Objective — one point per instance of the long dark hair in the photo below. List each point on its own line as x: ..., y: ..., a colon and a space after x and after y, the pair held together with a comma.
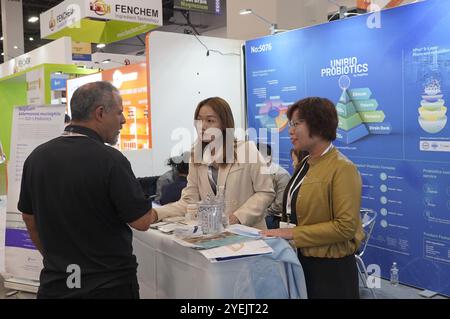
x: 225, y: 115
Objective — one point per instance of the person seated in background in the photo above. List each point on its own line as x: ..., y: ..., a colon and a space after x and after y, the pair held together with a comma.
x: 165, y: 179
x: 172, y: 192
x: 67, y: 119
x: 219, y: 161
x: 297, y: 157
x: 148, y: 185
x: 153, y: 185
x: 280, y: 178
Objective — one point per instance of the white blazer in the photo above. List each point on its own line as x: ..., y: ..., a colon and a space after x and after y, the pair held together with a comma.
x: 248, y: 188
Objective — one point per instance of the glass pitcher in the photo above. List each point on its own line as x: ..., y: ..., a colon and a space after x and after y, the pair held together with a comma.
x: 210, y: 217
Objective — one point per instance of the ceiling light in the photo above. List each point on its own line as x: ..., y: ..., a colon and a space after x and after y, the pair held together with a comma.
x: 3, y: 53
x: 273, y: 26
x: 33, y: 19
x: 101, y: 45
x: 15, y: 47
x: 31, y: 38
x: 350, y: 14
x: 1, y: 38
x: 106, y: 61
x: 245, y: 11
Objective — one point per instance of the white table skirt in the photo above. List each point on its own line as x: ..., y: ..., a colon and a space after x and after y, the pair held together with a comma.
x: 169, y: 270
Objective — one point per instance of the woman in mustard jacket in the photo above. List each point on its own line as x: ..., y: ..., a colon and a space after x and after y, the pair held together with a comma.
x: 323, y: 199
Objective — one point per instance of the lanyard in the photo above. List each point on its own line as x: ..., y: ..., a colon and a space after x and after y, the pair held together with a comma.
x: 292, y: 190
x: 81, y: 131
x: 72, y: 134
x: 211, y: 179
x: 294, y: 187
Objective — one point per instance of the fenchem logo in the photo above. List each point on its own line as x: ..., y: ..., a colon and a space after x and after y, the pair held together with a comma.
x: 100, y: 7
x: 52, y: 22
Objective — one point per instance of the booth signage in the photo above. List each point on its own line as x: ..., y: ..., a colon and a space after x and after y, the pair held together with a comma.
x: 56, y: 52
x: 391, y: 93
x: 66, y: 14
x: 206, y: 6
x: 81, y: 51
x: 149, y: 12
x: 101, y: 21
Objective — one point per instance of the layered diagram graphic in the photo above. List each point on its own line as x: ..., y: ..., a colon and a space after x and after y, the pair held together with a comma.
x: 273, y: 114
x: 359, y: 116
x: 432, y: 112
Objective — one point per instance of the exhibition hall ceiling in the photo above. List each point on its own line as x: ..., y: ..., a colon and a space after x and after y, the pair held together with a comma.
x: 174, y: 21
x: 32, y: 8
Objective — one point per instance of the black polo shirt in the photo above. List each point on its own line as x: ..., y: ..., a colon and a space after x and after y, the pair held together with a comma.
x: 82, y: 193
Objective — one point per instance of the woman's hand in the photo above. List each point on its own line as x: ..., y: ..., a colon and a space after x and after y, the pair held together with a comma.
x: 234, y: 219
x: 286, y: 233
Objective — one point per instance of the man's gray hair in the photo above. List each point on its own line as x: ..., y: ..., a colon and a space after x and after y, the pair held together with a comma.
x: 90, y: 96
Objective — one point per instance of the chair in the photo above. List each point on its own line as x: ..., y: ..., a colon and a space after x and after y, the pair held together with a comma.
x: 368, y: 217
x: 148, y: 185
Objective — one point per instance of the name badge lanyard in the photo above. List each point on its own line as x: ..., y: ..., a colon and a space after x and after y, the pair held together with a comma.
x: 211, y: 179
x: 292, y: 190
x: 72, y: 134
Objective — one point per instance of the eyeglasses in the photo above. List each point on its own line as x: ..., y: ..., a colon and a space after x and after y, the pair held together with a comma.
x: 294, y: 124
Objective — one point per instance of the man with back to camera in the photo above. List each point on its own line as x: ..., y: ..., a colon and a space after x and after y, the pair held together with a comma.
x: 78, y: 197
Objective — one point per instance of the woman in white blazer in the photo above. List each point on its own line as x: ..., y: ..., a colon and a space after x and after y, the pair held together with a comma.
x: 218, y: 160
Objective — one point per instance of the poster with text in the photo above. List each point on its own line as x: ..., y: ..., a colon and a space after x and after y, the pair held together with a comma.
x: 388, y: 74
x: 32, y: 125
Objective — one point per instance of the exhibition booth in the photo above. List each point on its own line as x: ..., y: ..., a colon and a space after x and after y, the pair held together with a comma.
x: 390, y: 92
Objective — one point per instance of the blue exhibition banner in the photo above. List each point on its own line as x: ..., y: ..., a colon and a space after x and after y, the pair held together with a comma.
x: 389, y: 75
x: 58, y: 82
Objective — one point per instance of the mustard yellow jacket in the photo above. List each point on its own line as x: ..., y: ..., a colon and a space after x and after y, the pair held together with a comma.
x: 328, y: 219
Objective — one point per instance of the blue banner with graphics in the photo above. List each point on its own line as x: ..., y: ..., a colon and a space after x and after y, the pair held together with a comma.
x: 389, y: 75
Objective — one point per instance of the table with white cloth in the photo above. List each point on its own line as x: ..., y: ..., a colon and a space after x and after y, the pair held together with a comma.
x: 169, y: 270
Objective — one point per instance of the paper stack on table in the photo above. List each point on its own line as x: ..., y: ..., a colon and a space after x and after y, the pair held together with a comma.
x: 236, y: 241
x: 239, y: 250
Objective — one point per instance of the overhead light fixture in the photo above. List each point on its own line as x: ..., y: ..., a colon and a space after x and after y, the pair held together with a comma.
x: 342, y: 12
x: 106, y: 61
x: 351, y: 14
x: 15, y: 47
x: 31, y: 38
x: 3, y: 53
x: 33, y: 19
x: 101, y: 45
x: 1, y: 38
x: 273, y: 26
x: 245, y: 11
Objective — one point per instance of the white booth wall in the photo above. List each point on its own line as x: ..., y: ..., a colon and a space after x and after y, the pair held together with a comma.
x: 181, y: 75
